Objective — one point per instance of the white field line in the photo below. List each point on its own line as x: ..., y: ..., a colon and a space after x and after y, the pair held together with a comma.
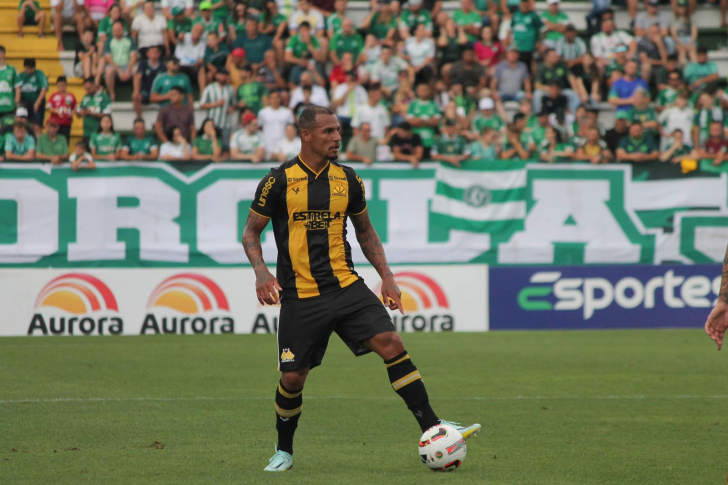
x: 375, y: 398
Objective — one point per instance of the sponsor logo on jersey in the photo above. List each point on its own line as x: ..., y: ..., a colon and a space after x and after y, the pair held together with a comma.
x: 264, y: 193
x: 316, y: 220
x: 339, y: 190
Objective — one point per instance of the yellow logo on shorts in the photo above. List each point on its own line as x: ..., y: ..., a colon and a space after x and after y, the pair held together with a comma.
x: 287, y: 355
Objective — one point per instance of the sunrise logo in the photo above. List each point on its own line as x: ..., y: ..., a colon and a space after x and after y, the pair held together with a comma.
x: 79, y: 294
x: 424, y: 301
x: 196, y: 296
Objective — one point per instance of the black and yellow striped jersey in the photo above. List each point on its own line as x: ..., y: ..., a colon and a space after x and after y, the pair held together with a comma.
x: 309, y: 212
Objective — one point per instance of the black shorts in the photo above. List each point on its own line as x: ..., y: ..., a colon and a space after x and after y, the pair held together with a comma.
x: 36, y: 117
x: 305, y: 325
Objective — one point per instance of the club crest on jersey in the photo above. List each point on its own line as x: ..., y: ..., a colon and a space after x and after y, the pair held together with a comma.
x: 339, y: 190
x: 287, y: 356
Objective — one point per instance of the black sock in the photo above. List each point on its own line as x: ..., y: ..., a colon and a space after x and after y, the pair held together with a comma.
x: 288, y: 410
x: 406, y: 381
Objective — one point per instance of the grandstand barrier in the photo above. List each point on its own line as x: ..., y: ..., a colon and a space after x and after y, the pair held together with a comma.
x: 604, y: 246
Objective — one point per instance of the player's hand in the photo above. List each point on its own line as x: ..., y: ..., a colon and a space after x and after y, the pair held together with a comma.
x: 717, y: 323
x: 267, y: 289
x: 391, y: 296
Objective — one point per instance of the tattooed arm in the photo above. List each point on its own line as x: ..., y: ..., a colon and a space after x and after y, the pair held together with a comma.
x: 372, y: 248
x: 717, y: 322
x: 266, y: 285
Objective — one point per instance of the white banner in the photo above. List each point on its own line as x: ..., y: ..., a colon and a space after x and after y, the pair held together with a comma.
x: 212, y: 301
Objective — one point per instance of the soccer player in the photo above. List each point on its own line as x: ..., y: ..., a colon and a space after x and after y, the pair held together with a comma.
x: 717, y: 322
x: 309, y: 198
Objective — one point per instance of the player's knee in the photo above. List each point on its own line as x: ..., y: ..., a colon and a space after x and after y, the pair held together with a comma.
x: 387, y: 345
x: 294, y: 380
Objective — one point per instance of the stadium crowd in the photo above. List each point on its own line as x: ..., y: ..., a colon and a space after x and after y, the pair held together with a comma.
x: 411, y: 82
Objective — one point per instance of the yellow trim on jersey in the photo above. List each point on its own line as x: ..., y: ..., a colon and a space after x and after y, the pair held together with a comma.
x: 261, y: 215
x: 286, y: 413
x: 408, y: 379
x: 359, y: 213
x: 398, y: 361
x: 287, y: 394
x: 314, y: 171
x: 339, y: 201
x: 297, y: 201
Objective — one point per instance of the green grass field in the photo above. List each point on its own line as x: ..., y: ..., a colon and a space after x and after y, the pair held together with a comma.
x: 621, y: 407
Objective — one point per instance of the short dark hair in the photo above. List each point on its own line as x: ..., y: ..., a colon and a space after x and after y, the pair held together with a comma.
x: 89, y: 80
x: 178, y: 89
x: 307, y: 120
x: 29, y: 62
x: 518, y: 116
x: 61, y: 79
x: 170, y: 132
x: 171, y: 59
x: 20, y: 125
x: 2, y: 49
x: 375, y: 86
x: 702, y: 50
x: 140, y: 120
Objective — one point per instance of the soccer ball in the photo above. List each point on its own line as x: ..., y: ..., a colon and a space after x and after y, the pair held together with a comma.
x: 442, y: 448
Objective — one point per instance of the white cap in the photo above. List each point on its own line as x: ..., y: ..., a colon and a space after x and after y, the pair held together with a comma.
x: 21, y: 113
x: 553, y: 2
x: 486, y: 103
x: 415, y: 3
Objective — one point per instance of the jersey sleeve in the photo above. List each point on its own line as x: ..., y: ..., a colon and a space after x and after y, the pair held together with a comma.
x: 357, y: 194
x: 266, y: 195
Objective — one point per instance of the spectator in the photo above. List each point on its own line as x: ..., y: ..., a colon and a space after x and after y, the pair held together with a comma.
x: 678, y: 116
x: 511, y: 81
x: 706, y: 113
x: 468, y: 19
x: 67, y: 12
x: 593, y: 149
x: 269, y: 74
x: 404, y: 95
x: 289, y: 146
x: 555, y: 23
x: 106, y: 26
x: 164, y: 82
x: 21, y: 115
x: 171, y: 7
x: 701, y: 74
x: 318, y: 94
x: 552, y: 149
x: 144, y: 76
x: 252, y: 94
x: 537, y: 131
x: 304, y: 13
x: 30, y: 90
x: 253, y: 42
x: 424, y: 116
x: 221, y: 10
x: 139, y: 146
x: 604, y: 44
x: 684, y: 34
x: 555, y: 102
x: 652, y: 52
x: 652, y: 16
x: 106, y: 143
x: 420, y: 53
x: 191, y: 55
x: 571, y: 49
x: 175, y: 147
x: 636, y: 147
x: 303, y: 52
x: 488, y: 50
x: 468, y: 72
x: 300, y: 107
x: 346, y: 98
x: 363, y: 146
x: 207, y: 144
x: 644, y: 113
x: 8, y: 79
x: 676, y: 150
x: 621, y: 96
x: 406, y: 145
x: 525, y: 31
x: 715, y: 147
x: 61, y: 105
x: 587, y: 84
x: 412, y: 16
x: 662, y: 75
x: 177, y: 26
x: 338, y: 72
x: 219, y: 99
x: 175, y: 114
x: 551, y: 71
x: 19, y: 145
x: 486, y: 118
x: 387, y: 71
x: 668, y: 95
x: 614, y: 136
x: 80, y: 157
x: 121, y: 57
x: 86, y: 58
x: 50, y: 146
x: 514, y: 147
x: 30, y: 13
x: 450, y: 147
x: 236, y: 25
x: 274, y: 24
x: 94, y: 105
x: 96, y: 10
x: 247, y: 143
x: 347, y: 40
x: 208, y: 22
x: 149, y: 30
x: 381, y: 23
x: 274, y: 118
x: 373, y: 113
x: 616, y: 67
x: 216, y: 56
x: 485, y: 147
